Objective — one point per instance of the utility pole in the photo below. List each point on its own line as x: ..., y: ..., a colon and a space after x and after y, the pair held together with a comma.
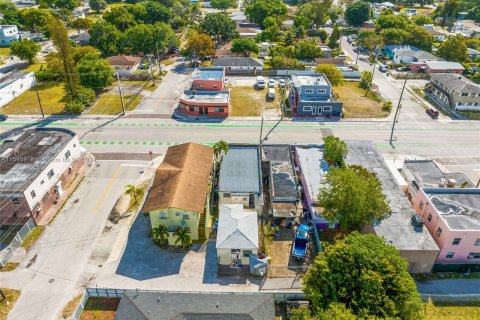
x: 261, y: 133
x: 40, y: 103
x: 397, y: 111
x: 121, y: 96
x: 158, y: 61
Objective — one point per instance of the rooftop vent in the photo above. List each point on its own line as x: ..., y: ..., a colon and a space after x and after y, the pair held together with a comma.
x: 451, y: 183
x: 417, y: 221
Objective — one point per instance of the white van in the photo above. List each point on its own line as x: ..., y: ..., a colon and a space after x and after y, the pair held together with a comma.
x: 271, y: 93
x: 260, y: 82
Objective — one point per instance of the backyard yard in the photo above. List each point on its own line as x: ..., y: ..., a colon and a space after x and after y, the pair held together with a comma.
x: 452, y: 310
x: 356, y: 104
x: 100, y: 309
x: 110, y: 103
x: 51, y: 94
x: 250, y: 102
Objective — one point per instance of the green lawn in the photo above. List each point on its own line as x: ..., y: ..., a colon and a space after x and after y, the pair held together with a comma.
x: 355, y: 103
x: 250, y: 102
x: 111, y: 104
x: 33, y: 237
x: 453, y: 310
x: 7, y: 304
x: 51, y: 94
x: 34, y: 67
x: 4, y: 53
x: 100, y: 309
x: 472, y: 115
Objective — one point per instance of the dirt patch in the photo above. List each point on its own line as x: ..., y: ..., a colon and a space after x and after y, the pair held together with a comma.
x: 356, y: 104
x: 247, y: 101
x: 70, y: 307
x: 100, y: 309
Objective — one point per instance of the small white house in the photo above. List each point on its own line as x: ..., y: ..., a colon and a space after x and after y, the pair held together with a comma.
x: 237, y: 235
x: 8, y: 33
x: 14, y: 84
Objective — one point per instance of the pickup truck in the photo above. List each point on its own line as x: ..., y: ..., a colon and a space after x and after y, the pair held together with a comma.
x: 299, y: 249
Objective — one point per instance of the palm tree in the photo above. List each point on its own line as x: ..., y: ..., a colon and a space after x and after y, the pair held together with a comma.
x: 219, y: 148
x: 183, y: 237
x: 160, y: 234
x: 133, y: 191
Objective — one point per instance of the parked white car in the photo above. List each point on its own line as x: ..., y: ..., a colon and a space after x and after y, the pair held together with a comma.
x: 281, y: 83
x: 271, y: 83
x: 271, y: 93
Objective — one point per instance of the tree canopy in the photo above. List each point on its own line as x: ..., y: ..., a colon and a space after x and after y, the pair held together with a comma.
x: 25, y: 49
x: 357, y: 13
x: 317, y: 11
x: 245, y: 46
x: 363, y: 276
x: 453, y: 49
x: 334, y: 149
x: 98, y: 5
x: 353, y: 196
x: 223, y: 4
x: 94, y: 72
x: 219, y: 26
x: 333, y: 74
x: 199, y: 45
x: 258, y: 10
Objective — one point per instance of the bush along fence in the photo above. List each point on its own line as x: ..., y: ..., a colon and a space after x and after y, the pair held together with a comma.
x: 16, y: 242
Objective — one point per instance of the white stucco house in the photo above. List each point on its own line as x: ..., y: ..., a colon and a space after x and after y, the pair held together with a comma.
x: 237, y: 235
x: 14, y: 84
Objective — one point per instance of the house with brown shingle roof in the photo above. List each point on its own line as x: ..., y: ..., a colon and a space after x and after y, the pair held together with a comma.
x: 180, y: 190
x: 125, y: 64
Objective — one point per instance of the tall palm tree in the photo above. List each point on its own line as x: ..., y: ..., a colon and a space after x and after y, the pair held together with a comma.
x: 160, y: 234
x: 183, y: 237
x: 219, y: 148
x: 133, y: 191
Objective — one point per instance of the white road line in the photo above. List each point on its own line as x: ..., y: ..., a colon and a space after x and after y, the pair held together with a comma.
x: 133, y: 165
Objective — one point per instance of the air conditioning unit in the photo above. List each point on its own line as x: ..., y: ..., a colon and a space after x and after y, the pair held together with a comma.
x: 417, y: 220
x: 451, y: 183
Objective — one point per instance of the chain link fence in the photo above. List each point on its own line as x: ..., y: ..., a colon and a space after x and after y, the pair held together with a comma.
x: 16, y: 242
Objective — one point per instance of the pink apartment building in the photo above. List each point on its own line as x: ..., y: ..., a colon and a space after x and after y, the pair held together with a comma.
x: 449, y: 205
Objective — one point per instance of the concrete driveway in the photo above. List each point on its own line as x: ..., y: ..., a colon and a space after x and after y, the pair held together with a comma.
x: 51, y: 273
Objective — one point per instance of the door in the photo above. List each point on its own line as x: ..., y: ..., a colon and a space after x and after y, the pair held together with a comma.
x: 314, y: 110
x: 236, y: 258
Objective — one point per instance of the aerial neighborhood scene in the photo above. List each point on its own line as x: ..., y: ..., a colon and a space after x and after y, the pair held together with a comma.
x: 239, y: 159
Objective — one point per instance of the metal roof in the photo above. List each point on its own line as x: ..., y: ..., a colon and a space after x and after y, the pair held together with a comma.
x: 240, y: 170
x: 237, y: 229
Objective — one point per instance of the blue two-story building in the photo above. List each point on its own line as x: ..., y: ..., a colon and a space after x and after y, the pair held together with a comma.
x: 311, y: 96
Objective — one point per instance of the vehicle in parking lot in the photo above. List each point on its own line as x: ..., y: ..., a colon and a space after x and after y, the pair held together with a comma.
x: 403, y: 69
x: 299, y: 248
x: 260, y: 82
x: 349, y: 39
x: 433, y: 113
x: 271, y: 93
x: 271, y: 83
x: 382, y: 68
x: 281, y: 83
x: 3, y: 117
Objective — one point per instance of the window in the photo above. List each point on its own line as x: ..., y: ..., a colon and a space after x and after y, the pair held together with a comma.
x: 421, y: 205
x: 218, y: 109
x: 185, y: 216
x: 456, y: 241
x: 327, y: 109
x: 15, y: 201
x: 308, y: 91
x: 439, y: 232
x: 188, y: 229
x: 215, y: 86
x: 429, y: 217
x: 33, y: 194
x: 163, y: 215
x: 50, y: 174
x: 477, y: 242
x: 450, y: 255
x: 247, y: 253
x: 307, y: 108
x: 464, y: 94
x: 321, y: 91
x: 67, y: 154
x: 474, y: 255
x: 226, y: 195
x: 192, y: 109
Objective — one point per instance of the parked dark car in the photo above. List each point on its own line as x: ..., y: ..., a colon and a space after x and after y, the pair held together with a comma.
x: 433, y: 113
x: 3, y: 117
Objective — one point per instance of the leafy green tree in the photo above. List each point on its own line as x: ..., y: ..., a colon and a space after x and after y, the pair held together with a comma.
x: 366, y: 78
x: 367, y: 276
x: 223, y: 4
x: 95, y: 72
x: 368, y: 39
x: 121, y: 18
x: 394, y: 36
x: 420, y: 38
x: 81, y: 24
x: 307, y: 49
x: 422, y: 19
x: 98, y: 5
x: 245, y: 46
x: 151, y: 12
x: 317, y: 11
x: 334, y: 37
x: 333, y: 74
x: 271, y: 30
x: 60, y: 4
x: 182, y: 237
x: 323, y: 35
x: 389, y: 20
x: 144, y: 38
x: 258, y: 10
x: 160, y: 234
x: 10, y: 12
x: 74, y: 107
x: 80, y: 52
x: 353, y: 196
x: 387, y: 105
x: 357, y: 13
x: 219, y: 26
x: 453, y: 49
x: 105, y: 37
x: 35, y: 19
x: 285, y: 63
x: 25, y: 49
x: 133, y: 191
x: 301, y: 24
x: 199, y: 45
x: 334, y: 150
x: 59, y: 36
x: 219, y: 148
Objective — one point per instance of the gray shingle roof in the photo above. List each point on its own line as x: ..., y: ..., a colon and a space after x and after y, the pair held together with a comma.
x: 444, y: 65
x: 237, y: 229
x: 237, y: 62
x: 424, y: 56
x: 455, y: 82
x: 240, y: 170
x: 195, y: 306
